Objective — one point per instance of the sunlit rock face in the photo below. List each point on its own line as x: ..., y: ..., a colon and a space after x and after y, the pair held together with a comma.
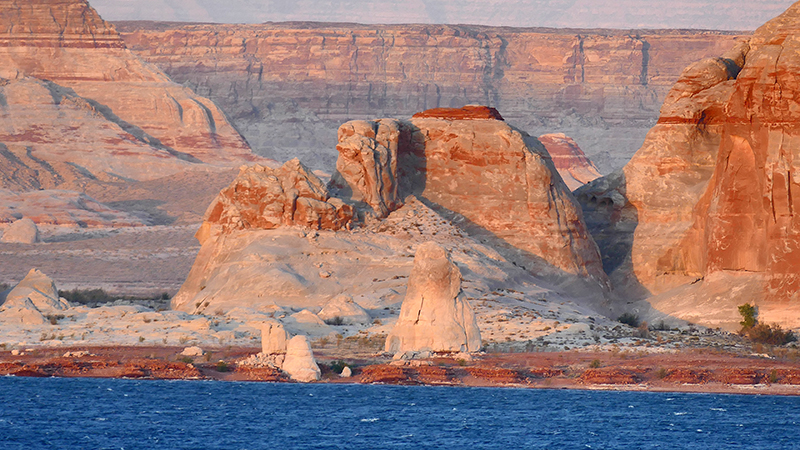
x: 570, y: 161
x: 710, y: 197
x: 435, y: 315
x: 78, y: 106
x: 289, y: 86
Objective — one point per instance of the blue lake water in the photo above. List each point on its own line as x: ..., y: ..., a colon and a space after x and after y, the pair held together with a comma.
x: 53, y: 413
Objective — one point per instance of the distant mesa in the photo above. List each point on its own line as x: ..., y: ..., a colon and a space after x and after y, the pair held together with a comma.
x: 470, y: 112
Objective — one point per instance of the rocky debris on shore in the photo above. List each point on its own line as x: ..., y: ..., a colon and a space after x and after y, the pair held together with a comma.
x: 22, y: 231
x: 435, y: 314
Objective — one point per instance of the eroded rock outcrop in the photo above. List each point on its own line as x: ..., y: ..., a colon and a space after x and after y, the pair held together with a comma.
x: 265, y: 198
x: 22, y: 231
x: 79, y: 111
x: 572, y: 164
x: 367, y: 164
x: 711, y: 193
x: 274, y: 338
x: 29, y: 301
x: 503, y: 184
x: 435, y: 315
x: 299, y: 362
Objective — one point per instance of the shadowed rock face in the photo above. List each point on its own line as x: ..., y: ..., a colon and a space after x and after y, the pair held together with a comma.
x: 77, y: 106
x: 289, y: 86
x: 711, y: 194
x: 500, y: 183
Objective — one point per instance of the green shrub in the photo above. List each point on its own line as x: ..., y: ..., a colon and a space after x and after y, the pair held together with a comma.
x: 594, y: 364
x: 629, y: 319
x: 749, y: 314
x: 661, y: 373
x: 338, y: 366
x: 222, y: 366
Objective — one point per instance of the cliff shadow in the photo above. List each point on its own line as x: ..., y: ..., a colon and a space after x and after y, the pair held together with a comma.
x: 413, y: 173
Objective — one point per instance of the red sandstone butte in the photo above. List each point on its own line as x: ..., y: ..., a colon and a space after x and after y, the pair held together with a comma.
x: 713, y: 193
x: 470, y: 112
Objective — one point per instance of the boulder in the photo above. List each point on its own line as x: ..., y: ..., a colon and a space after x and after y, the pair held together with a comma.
x: 40, y: 290
x: 265, y: 198
x: 299, y: 363
x: 273, y: 338
x: 22, y: 231
x: 435, y: 315
x: 192, y: 351
x: 345, y: 310
x: 367, y: 166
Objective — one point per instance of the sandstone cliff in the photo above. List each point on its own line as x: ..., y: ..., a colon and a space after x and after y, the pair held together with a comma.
x: 711, y: 193
x: 158, y: 126
x: 79, y: 111
x: 288, y: 86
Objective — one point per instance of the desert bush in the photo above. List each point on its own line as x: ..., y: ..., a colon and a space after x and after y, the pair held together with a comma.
x: 222, y: 366
x: 643, y: 331
x: 54, y: 318
x: 749, y: 316
x: 594, y: 364
x: 661, y: 373
x: 773, y: 334
x: 629, y: 319
x: 336, y: 321
x: 660, y: 326
x: 186, y: 360
x: 338, y: 366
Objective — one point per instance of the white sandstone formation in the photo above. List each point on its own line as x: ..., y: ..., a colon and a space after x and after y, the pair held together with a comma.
x: 299, y: 363
x: 40, y: 290
x: 435, y: 315
x: 22, y: 231
x: 274, y: 338
x: 344, y: 310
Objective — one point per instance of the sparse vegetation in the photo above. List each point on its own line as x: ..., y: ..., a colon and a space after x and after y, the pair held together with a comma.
x: 141, y: 338
x: 222, y: 366
x: 93, y: 297
x: 661, y: 373
x: 771, y: 334
x: 336, y: 321
x: 186, y: 360
x: 630, y: 319
x: 594, y: 364
x: 54, y: 318
x: 762, y: 333
x: 338, y: 366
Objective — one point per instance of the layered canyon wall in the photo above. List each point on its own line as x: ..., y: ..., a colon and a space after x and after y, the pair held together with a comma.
x: 704, y: 215
x: 76, y: 104
x: 288, y: 86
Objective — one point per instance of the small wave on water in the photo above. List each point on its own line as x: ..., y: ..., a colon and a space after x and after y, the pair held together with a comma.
x: 73, y: 414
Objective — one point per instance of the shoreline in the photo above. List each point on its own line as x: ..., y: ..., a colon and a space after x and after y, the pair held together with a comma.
x: 691, y: 371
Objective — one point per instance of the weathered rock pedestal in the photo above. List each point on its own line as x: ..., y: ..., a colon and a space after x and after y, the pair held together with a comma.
x: 299, y: 362
x: 435, y: 315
